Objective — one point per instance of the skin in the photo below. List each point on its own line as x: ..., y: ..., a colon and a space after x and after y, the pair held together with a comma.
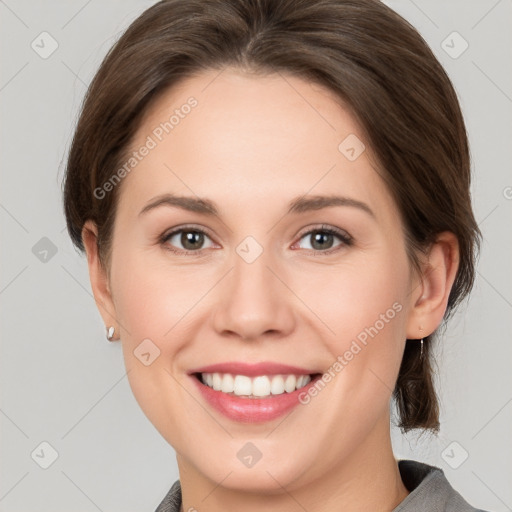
x: 251, y: 145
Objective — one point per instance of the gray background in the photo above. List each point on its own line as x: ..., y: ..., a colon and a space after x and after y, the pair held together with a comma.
x: 64, y: 384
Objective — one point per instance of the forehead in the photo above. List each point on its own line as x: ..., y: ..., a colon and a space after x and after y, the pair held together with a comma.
x: 232, y: 135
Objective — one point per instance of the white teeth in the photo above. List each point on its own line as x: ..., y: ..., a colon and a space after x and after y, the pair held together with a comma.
x: 242, y: 385
x: 277, y: 385
x: 261, y: 386
x: 228, y: 384
x: 290, y: 383
x: 217, y: 381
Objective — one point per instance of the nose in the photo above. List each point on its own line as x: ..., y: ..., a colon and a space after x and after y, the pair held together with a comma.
x: 254, y: 302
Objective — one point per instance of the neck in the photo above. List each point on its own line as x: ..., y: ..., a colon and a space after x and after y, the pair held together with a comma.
x: 368, y: 479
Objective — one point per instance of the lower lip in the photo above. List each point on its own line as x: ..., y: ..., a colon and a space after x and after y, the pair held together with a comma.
x: 252, y: 410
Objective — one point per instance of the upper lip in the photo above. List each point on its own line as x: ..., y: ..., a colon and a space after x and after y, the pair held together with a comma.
x: 254, y: 369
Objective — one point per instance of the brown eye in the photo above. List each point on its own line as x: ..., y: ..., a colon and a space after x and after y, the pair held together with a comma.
x: 183, y: 240
x: 324, y: 239
x: 321, y: 240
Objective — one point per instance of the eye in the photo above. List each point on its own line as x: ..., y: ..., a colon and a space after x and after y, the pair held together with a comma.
x: 322, y: 238
x: 191, y: 240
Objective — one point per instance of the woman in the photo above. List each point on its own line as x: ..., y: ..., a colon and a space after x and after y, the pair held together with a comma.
x: 220, y: 146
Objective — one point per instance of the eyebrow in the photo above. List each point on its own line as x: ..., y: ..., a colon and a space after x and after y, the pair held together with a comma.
x: 298, y: 205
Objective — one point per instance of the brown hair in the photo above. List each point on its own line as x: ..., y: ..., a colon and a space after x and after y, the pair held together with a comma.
x: 375, y: 62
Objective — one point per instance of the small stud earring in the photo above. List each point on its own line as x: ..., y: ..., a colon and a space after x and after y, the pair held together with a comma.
x: 110, y: 333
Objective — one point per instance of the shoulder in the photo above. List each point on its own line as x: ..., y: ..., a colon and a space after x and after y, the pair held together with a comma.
x: 172, y: 500
x: 429, y: 490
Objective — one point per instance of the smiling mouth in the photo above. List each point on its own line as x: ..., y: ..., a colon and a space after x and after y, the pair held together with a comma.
x: 261, y: 386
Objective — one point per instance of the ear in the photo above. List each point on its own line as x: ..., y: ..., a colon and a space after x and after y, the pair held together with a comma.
x: 430, y: 297
x: 98, y: 276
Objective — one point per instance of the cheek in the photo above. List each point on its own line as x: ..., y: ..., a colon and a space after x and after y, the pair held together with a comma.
x: 153, y: 296
x: 364, y: 307
x: 353, y: 298
x: 152, y: 301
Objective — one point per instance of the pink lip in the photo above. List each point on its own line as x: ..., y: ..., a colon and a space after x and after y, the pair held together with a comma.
x: 251, y: 410
x: 253, y: 370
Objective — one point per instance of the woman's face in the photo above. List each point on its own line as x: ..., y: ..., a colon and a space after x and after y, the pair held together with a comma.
x: 264, y: 285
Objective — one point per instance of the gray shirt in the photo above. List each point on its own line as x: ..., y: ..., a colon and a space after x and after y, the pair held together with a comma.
x: 429, y: 490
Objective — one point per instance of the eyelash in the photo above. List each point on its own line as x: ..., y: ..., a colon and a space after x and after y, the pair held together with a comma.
x: 346, y: 239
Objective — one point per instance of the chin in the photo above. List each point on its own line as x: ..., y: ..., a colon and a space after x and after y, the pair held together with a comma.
x: 268, y: 475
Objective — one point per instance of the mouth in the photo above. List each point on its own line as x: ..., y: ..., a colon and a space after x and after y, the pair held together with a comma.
x: 261, y: 386
x: 252, y: 393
